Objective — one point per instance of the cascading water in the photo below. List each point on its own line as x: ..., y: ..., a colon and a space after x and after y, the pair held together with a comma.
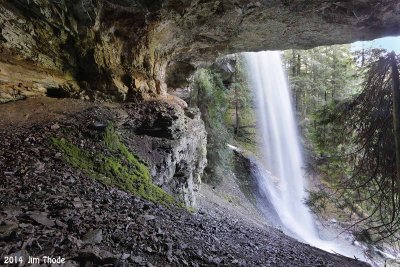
x: 282, y: 152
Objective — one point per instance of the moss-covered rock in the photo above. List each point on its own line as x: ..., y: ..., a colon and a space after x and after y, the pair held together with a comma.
x: 115, y: 166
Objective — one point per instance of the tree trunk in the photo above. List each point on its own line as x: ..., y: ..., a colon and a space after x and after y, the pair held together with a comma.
x: 334, y: 74
x: 293, y: 63
x: 298, y: 64
x: 237, y: 126
x: 396, y: 112
x: 237, y: 122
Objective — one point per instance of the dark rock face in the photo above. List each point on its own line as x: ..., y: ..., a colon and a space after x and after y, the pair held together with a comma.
x: 127, y: 48
x: 173, y: 140
x: 247, y: 170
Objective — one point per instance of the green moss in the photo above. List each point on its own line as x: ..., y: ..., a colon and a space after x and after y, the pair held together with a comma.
x: 116, y: 167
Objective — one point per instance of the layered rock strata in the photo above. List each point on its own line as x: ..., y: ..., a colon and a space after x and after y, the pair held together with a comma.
x: 137, y: 49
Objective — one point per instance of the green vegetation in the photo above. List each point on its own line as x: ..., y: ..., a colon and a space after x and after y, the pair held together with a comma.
x: 243, y: 117
x: 117, y: 167
x: 364, y: 146
x: 212, y: 98
x: 317, y: 200
x: 347, y: 101
x: 227, y: 111
x: 319, y: 76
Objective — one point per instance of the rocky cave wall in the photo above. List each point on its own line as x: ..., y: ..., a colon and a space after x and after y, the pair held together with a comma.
x: 136, y: 48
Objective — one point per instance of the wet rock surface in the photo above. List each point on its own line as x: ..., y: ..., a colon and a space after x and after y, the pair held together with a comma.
x: 48, y: 208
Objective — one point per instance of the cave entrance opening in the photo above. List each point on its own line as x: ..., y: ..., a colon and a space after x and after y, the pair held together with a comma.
x: 57, y: 92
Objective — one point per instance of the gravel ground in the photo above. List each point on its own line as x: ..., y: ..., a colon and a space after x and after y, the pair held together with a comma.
x: 48, y: 208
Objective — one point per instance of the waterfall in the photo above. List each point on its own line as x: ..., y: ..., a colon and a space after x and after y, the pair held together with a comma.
x: 281, y: 176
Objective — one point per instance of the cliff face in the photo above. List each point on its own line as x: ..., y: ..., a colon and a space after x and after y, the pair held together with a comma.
x: 136, y: 48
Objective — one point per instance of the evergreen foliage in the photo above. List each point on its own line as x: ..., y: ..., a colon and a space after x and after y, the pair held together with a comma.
x: 227, y: 111
x: 212, y: 98
x: 320, y: 75
x: 242, y: 108
x: 356, y: 139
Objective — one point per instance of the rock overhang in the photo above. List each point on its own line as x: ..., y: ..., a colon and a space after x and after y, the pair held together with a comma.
x: 123, y: 49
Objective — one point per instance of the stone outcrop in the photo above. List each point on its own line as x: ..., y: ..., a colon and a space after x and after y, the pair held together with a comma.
x: 249, y: 173
x: 136, y: 49
x: 173, y: 141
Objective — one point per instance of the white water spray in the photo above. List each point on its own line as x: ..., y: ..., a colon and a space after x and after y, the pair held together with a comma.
x: 282, y: 152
